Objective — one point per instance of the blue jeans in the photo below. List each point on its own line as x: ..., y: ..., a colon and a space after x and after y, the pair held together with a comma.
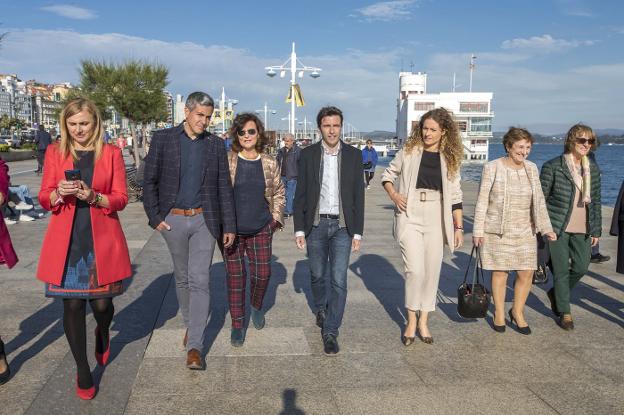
x: 291, y: 187
x: 328, y: 243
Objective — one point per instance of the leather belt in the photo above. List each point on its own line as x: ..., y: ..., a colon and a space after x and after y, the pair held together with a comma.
x: 429, y: 195
x: 328, y: 216
x: 186, y: 212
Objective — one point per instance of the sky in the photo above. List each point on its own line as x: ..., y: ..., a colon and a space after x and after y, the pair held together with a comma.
x: 549, y: 63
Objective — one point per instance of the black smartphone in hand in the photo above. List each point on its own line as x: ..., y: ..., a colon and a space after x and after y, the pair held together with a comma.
x: 71, y: 175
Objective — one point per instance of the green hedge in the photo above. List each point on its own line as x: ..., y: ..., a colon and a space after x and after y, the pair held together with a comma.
x: 4, y: 148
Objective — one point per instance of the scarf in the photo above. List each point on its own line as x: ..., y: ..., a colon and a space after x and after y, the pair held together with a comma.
x: 582, y: 179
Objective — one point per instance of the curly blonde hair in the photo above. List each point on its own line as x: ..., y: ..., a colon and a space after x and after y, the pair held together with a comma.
x: 450, y: 144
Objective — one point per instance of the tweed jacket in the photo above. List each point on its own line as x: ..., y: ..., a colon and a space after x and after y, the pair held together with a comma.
x: 403, y: 174
x: 274, y: 192
x: 559, y: 190
x: 162, y: 180
x: 492, y: 209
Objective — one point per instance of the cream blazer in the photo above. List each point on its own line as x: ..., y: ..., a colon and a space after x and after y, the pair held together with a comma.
x: 274, y: 192
x: 492, y: 209
x: 403, y: 173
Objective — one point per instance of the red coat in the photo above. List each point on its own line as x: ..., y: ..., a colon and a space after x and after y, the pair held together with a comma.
x: 7, y: 253
x: 111, y: 251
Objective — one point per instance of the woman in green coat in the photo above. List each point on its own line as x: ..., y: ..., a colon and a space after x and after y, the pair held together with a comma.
x: 571, y: 186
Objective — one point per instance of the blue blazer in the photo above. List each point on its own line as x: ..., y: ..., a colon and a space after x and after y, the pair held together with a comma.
x: 162, y: 179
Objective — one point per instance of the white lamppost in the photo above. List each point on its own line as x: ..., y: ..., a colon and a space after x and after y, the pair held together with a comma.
x: 266, y: 111
x: 305, y: 123
x: 296, y: 68
x: 222, y: 106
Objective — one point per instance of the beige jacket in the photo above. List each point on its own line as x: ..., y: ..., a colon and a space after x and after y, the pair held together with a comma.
x: 274, y: 192
x: 403, y: 173
x: 492, y: 209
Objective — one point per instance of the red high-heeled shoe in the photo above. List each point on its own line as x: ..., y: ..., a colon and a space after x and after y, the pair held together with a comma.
x: 102, y: 358
x: 85, y: 394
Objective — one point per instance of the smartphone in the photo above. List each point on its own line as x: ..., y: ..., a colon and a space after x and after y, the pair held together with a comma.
x: 72, y: 175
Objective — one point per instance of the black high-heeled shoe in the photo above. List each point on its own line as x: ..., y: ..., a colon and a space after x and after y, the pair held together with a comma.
x: 526, y: 330
x: 4, y: 376
x: 407, y: 341
x: 499, y: 329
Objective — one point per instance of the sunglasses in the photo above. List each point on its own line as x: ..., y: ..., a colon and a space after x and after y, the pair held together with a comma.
x: 589, y: 141
x: 251, y: 131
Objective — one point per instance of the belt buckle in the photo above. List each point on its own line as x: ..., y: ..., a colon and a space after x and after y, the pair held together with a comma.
x: 423, y: 196
x: 193, y: 212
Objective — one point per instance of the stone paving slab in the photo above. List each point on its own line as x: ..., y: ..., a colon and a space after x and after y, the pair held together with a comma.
x: 282, y: 369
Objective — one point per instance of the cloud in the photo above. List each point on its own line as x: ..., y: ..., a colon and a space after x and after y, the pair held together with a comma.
x: 363, y: 84
x: 544, y: 43
x: 578, y: 8
x: 71, y: 12
x: 386, y: 11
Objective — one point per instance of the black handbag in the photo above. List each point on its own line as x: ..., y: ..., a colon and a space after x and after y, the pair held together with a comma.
x: 473, y: 299
x: 541, y: 274
x: 367, y: 165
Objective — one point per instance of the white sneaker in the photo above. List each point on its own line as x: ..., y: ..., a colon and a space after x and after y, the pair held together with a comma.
x: 23, y: 206
x: 26, y: 218
x: 367, y: 187
x: 9, y: 221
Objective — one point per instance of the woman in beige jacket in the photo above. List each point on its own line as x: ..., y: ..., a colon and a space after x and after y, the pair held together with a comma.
x: 423, y: 182
x: 259, y: 200
x: 510, y: 210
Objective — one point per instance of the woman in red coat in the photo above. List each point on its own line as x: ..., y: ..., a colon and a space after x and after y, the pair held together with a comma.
x: 84, y: 254
x: 7, y: 256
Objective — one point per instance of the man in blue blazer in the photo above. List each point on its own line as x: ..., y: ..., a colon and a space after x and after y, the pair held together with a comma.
x: 188, y: 197
x: 329, y: 218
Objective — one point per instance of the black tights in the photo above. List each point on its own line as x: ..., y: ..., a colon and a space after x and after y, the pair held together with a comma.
x: 369, y: 176
x: 75, y: 330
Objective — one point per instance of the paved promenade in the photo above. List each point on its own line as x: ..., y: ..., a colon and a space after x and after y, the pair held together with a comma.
x: 469, y: 369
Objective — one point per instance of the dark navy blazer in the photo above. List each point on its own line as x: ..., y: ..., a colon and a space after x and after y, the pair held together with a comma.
x: 162, y: 179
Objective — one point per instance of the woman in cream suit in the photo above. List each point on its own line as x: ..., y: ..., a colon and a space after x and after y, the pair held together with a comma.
x: 510, y: 210
x: 423, y: 181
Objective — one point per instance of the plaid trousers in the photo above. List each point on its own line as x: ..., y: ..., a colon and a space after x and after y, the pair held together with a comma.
x: 259, y: 250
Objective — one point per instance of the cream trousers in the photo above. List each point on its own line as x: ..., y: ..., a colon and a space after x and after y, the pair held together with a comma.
x: 422, y: 247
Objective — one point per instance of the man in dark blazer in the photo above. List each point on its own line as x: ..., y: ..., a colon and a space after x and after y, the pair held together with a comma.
x: 188, y: 197
x: 329, y: 218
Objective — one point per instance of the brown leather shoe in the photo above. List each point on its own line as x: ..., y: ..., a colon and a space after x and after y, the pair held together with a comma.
x: 566, y: 322
x: 194, y: 360
x: 185, y: 340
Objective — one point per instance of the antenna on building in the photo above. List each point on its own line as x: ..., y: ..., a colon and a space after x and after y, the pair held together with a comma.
x: 472, y: 66
x: 412, y: 66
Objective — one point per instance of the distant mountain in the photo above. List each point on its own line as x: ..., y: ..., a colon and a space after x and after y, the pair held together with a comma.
x: 379, y: 134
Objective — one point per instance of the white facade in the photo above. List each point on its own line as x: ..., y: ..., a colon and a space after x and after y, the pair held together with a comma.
x: 178, y: 110
x: 471, y: 110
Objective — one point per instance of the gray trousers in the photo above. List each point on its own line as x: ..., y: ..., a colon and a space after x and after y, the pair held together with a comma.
x: 191, y: 245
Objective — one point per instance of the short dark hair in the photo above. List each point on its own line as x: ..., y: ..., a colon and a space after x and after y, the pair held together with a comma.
x: 239, y: 123
x: 328, y: 112
x: 515, y: 134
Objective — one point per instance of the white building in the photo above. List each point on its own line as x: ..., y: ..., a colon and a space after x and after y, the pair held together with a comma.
x: 178, y: 110
x: 471, y: 110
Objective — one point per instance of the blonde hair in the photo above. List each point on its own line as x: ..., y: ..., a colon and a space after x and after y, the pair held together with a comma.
x: 450, y: 144
x: 574, y: 132
x: 96, y: 140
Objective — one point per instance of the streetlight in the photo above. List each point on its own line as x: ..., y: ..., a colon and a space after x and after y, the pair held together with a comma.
x: 266, y: 111
x: 305, y: 123
x: 222, y: 103
x: 291, y: 65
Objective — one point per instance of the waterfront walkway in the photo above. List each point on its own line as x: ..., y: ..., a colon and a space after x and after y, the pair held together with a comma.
x: 469, y: 369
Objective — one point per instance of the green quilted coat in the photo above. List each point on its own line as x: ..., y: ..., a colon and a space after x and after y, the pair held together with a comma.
x: 558, y: 187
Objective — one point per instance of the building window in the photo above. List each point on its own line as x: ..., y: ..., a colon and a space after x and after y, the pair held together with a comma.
x: 462, y: 126
x: 481, y: 124
x: 473, y: 107
x: 424, y: 106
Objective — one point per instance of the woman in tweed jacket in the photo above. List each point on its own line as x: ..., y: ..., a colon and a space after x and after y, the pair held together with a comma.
x: 510, y: 210
x: 259, y: 202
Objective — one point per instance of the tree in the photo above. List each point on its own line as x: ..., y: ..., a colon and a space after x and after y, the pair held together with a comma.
x: 135, y: 89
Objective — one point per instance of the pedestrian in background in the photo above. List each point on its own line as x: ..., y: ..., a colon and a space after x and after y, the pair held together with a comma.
x: 7, y: 257
x: 571, y: 185
x: 288, y: 161
x: 510, y: 210
x: 84, y: 256
x: 617, y: 229
x: 423, y: 181
x: 43, y: 140
x: 369, y: 162
x: 259, y: 200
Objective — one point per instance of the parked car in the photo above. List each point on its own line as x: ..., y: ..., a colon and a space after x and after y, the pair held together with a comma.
x: 16, y: 141
x: 28, y: 137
